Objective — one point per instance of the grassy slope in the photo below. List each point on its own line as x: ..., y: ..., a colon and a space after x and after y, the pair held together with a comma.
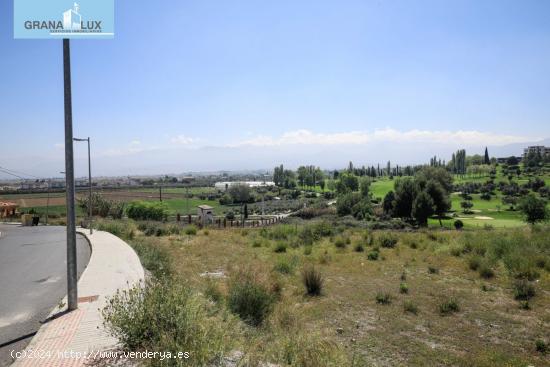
x: 489, y: 330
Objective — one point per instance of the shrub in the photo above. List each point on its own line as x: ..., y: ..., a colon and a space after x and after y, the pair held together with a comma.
x: 456, y: 251
x: 458, y: 224
x: 403, y: 288
x: 474, y: 262
x: 190, y: 230
x: 449, y: 306
x: 433, y: 270
x: 144, y: 210
x: 486, y: 272
x: 340, y: 242
x: 249, y: 299
x: 403, y: 276
x: 387, y: 240
x: 280, y: 247
x: 307, y: 250
x: 312, y: 280
x: 373, y: 255
x: 284, y: 266
x: 523, y: 289
x: 124, y: 230
x: 524, y: 305
x: 257, y: 242
x: 409, y: 306
x: 154, y: 259
x: 541, y: 346
x: 359, y: 247
x: 383, y: 298
x: 168, y: 317
x: 212, y: 292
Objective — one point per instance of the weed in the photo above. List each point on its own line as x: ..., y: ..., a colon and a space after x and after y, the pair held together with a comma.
x: 312, y: 280
x: 373, y: 255
x: 433, y: 270
x: 280, y: 247
x: 409, y: 306
x: 449, y: 306
x: 403, y: 288
x: 523, y: 290
x: 383, y: 298
x: 249, y: 299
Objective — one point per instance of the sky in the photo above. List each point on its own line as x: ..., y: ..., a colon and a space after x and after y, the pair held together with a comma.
x: 202, y: 85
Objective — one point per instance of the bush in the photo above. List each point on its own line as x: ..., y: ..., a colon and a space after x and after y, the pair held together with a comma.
x: 373, y: 255
x: 124, y: 230
x: 403, y: 288
x: 154, y: 259
x: 541, y: 346
x: 280, y: 247
x: 486, y: 272
x: 190, y: 230
x: 383, y: 298
x: 523, y: 290
x: 359, y: 247
x: 524, y: 305
x: 307, y: 250
x: 340, y: 242
x: 284, y: 266
x: 387, y: 240
x: 433, y: 270
x: 249, y: 299
x: 312, y: 280
x: 458, y: 224
x: 144, y: 210
x: 167, y: 317
x: 448, y: 307
x: 474, y: 262
x: 409, y: 306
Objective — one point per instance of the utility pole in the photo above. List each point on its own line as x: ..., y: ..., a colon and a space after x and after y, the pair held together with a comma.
x: 72, y: 293
x: 48, y: 201
x: 160, y: 193
x: 89, y: 183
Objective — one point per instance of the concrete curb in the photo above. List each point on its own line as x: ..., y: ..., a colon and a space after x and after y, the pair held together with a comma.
x: 71, y: 339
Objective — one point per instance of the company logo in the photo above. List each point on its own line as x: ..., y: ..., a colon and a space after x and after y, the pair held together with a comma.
x: 35, y: 19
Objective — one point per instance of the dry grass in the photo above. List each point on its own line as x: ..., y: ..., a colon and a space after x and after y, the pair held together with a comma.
x: 490, y: 328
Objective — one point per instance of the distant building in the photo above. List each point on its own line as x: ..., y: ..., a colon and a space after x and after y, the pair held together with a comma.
x: 536, y: 149
x: 226, y: 184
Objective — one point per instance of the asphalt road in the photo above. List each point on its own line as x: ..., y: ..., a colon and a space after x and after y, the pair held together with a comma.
x: 33, y: 280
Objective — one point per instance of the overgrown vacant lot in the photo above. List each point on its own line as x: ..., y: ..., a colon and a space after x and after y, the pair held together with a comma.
x: 471, y: 298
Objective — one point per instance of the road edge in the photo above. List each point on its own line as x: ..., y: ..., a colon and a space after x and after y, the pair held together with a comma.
x: 70, y: 338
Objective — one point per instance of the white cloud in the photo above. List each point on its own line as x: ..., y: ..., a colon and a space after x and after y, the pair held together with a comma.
x: 460, y: 137
x: 59, y: 146
x: 183, y: 140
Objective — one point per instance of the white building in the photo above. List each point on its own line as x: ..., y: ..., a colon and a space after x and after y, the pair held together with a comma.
x: 222, y: 186
x: 537, y: 149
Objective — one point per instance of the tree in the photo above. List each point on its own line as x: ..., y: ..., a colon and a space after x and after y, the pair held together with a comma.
x: 388, y: 203
x: 245, y: 211
x: 364, y: 187
x: 240, y: 193
x: 422, y: 208
x: 347, y: 183
x: 466, y: 205
x: 405, y: 193
x: 322, y: 185
x: 440, y: 197
x: 510, y: 200
x: 486, y: 159
x: 534, y: 209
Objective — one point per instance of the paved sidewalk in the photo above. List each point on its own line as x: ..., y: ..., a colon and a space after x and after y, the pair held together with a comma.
x: 61, y: 341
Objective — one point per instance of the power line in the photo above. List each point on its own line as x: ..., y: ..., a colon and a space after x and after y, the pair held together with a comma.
x: 18, y: 172
x: 11, y: 174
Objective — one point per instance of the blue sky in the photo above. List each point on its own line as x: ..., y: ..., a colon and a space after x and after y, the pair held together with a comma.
x: 194, y: 78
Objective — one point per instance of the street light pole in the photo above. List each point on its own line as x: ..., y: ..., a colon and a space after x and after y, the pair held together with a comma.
x: 89, y: 184
x: 72, y: 293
